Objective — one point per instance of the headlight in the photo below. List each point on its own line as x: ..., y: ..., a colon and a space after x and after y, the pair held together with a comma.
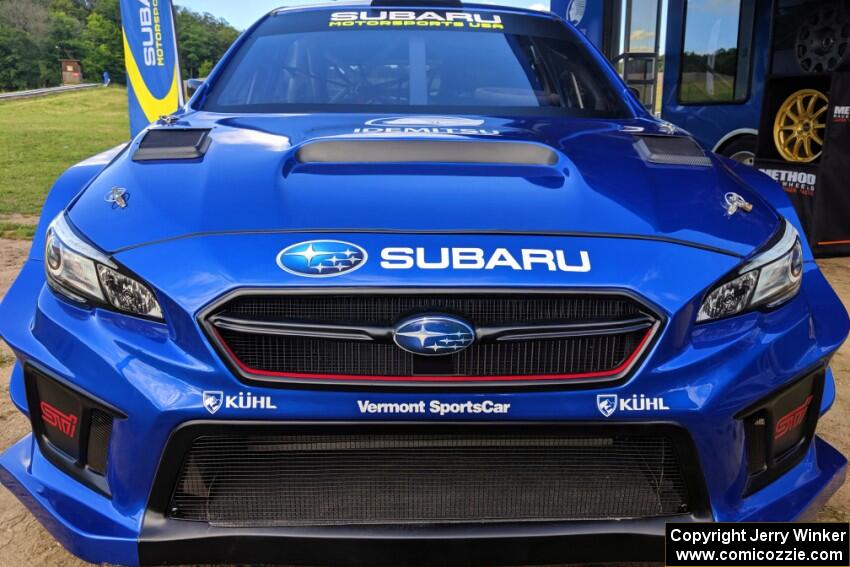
x: 84, y: 274
x: 770, y: 279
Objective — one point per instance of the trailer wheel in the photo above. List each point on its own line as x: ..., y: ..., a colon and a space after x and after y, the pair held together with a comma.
x: 741, y: 149
x: 823, y: 40
x: 799, y: 127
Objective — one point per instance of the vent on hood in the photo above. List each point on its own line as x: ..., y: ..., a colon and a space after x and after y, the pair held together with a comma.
x: 672, y: 150
x: 426, y: 151
x: 173, y: 144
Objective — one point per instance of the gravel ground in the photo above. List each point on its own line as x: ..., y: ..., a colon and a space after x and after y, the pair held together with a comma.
x: 24, y: 542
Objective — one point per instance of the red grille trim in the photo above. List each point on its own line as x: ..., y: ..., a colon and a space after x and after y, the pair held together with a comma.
x: 621, y: 369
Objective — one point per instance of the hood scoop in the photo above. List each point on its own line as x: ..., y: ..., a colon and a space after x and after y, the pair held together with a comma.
x: 426, y: 151
x: 671, y: 150
x: 173, y: 144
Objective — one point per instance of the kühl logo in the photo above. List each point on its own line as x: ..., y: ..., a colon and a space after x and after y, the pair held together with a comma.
x: 607, y: 404
x: 213, y: 401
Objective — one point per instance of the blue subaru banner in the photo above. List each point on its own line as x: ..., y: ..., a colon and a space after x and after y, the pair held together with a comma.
x: 154, y: 84
x: 585, y: 15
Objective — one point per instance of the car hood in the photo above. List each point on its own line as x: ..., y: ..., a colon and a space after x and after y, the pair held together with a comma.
x: 251, y: 180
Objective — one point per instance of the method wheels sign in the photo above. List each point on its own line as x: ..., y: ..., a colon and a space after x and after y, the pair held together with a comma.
x: 831, y: 228
x: 800, y: 183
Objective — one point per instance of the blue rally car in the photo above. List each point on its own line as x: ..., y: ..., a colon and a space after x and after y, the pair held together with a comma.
x: 415, y: 284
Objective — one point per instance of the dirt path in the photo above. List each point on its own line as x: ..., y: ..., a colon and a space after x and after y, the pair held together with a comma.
x: 19, y: 219
x: 24, y: 542
x: 22, y: 539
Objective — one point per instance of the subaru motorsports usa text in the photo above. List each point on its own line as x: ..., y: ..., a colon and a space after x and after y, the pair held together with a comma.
x: 411, y: 284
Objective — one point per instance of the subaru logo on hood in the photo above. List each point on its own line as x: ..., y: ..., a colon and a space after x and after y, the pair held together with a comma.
x: 321, y: 258
x: 433, y: 335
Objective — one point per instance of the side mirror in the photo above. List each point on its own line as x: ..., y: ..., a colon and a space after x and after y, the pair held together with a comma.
x: 192, y: 86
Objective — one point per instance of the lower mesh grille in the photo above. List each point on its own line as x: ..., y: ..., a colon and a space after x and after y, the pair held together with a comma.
x: 427, y: 478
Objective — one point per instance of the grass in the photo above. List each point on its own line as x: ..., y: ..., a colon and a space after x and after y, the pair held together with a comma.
x: 16, y: 231
x: 694, y: 89
x: 41, y: 137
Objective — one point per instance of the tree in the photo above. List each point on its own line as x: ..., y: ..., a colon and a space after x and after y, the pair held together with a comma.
x: 19, y: 60
x: 25, y: 44
x: 28, y: 16
x: 104, y: 48
x: 65, y: 35
x: 205, y: 69
x: 77, y: 9
x: 203, y: 39
x: 35, y: 34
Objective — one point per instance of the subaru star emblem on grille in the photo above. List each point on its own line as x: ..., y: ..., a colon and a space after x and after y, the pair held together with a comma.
x: 433, y: 335
x: 321, y: 258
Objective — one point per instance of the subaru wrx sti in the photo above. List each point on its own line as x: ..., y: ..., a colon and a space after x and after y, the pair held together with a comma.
x: 415, y: 284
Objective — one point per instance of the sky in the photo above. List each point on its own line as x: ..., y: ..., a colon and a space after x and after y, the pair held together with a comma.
x: 711, y: 24
x: 241, y: 14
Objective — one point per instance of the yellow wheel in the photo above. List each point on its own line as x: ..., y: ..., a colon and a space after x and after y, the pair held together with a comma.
x: 800, y: 125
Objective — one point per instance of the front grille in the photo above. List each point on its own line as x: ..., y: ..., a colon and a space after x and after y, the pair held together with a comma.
x: 475, y: 476
x: 320, y: 341
x: 582, y: 355
x: 479, y: 309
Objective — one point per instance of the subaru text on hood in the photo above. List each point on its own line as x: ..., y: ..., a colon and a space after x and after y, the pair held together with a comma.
x: 415, y: 284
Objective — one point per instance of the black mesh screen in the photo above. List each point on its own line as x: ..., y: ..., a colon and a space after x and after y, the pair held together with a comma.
x: 275, y: 353
x: 477, y: 309
x: 304, y: 480
x: 98, y: 447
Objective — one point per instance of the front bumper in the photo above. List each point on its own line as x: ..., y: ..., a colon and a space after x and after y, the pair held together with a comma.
x: 706, y: 380
x: 90, y: 527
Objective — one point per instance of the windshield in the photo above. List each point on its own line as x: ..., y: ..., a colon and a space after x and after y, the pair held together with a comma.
x: 379, y: 60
